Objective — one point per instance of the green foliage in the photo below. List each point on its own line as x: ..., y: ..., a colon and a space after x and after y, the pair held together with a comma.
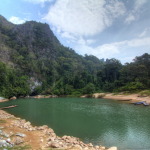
x: 76, y: 93
x: 89, y: 88
x: 2, y: 121
x: 132, y: 86
x: 12, y: 83
x: 145, y: 93
x: 108, y: 87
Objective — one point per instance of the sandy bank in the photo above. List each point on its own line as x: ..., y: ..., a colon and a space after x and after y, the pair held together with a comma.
x: 122, y: 97
x: 3, y: 100
x: 16, y: 132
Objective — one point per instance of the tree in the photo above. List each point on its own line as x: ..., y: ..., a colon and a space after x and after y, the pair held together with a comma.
x: 89, y: 88
x: 112, y: 68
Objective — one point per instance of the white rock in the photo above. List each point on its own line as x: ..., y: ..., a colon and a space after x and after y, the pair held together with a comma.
x: 8, y: 140
x: 2, y: 142
x: 113, y: 148
x: 86, y: 148
x: 20, y: 134
x: 102, y: 147
x: 90, y: 144
x: 18, y: 141
x: 42, y: 140
x: 55, y: 145
x: 97, y: 147
x: 78, y: 147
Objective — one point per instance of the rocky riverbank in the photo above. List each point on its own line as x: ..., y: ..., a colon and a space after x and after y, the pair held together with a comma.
x: 16, y: 132
x: 2, y: 99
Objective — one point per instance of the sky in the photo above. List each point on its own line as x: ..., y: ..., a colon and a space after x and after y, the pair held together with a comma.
x: 104, y: 28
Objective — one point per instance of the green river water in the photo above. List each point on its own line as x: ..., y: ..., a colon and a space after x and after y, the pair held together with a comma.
x: 99, y: 121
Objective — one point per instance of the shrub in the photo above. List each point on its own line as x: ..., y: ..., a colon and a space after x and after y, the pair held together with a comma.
x: 89, y: 88
x: 144, y: 93
x: 132, y: 86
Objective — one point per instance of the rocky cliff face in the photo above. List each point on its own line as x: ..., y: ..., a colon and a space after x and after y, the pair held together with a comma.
x: 33, y: 50
x: 27, y: 46
x: 32, y: 44
x: 32, y: 36
x: 36, y: 37
x: 4, y: 48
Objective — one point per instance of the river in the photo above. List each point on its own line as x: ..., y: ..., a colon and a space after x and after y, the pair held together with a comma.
x: 99, y: 121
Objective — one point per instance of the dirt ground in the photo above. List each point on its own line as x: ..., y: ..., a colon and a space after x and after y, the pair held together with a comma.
x: 35, y: 139
x: 122, y: 97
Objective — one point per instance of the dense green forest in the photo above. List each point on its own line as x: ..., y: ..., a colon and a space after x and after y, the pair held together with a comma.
x: 32, y: 61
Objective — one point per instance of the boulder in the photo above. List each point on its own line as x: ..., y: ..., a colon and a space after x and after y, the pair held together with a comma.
x: 51, y: 139
x: 20, y: 135
x: 77, y: 147
x: 5, y: 135
x: 90, y: 145
x: 97, y: 147
x: 13, y: 98
x: 5, y: 143
x: 1, y: 98
x: 27, y: 125
x: 18, y: 140
x: 54, y: 145
x: 49, y: 131
x: 44, y: 127
x: 64, y: 137
x: 102, y: 148
x: 39, y: 96
x: 113, y: 148
x: 53, y: 134
x: 48, y: 96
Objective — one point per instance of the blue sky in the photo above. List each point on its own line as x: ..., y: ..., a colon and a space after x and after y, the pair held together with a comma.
x: 105, y: 28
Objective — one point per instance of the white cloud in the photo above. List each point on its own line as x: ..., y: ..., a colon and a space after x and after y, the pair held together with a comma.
x: 139, y: 4
x: 128, y: 59
x: 145, y: 32
x: 104, y: 51
x: 130, y: 18
x: 82, y: 41
x: 68, y: 36
x: 80, y: 23
x: 133, y: 15
x: 114, y: 49
x: 115, y: 8
x: 139, y: 42
x: 83, y: 17
x: 16, y: 20
x: 90, y: 41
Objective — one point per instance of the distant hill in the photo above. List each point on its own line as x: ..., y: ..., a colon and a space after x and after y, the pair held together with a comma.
x: 33, y: 61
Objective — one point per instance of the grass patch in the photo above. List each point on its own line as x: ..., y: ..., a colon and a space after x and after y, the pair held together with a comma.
x: 2, y: 121
x: 144, y: 93
x: 25, y: 147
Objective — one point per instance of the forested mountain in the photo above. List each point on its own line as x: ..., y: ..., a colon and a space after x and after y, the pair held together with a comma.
x: 33, y: 61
